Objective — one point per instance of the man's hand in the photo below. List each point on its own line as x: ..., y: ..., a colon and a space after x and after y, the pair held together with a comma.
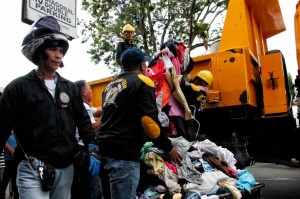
x: 94, y: 167
x: 175, y: 157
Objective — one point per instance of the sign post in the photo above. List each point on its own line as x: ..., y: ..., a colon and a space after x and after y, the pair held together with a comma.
x: 63, y: 10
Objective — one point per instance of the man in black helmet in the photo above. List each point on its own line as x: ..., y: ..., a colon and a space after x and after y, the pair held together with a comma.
x: 129, y: 113
x: 44, y: 109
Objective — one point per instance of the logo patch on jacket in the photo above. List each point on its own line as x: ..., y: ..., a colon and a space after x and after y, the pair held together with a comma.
x: 64, y: 98
x: 112, y: 91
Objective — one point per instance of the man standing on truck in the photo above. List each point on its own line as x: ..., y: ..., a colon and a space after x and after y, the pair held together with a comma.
x: 44, y: 109
x: 125, y: 43
x: 129, y: 113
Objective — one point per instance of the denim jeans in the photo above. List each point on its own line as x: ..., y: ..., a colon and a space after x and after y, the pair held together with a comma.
x: 29, y: 183
x: 119, y: 178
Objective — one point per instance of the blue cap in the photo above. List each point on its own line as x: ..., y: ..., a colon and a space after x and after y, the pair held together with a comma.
x: 132, y: 58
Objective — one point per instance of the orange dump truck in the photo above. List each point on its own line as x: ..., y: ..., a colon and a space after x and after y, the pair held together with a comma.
x: 250, y: 95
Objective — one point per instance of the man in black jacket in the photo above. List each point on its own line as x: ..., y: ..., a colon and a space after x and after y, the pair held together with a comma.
x: 129, y: 114
x: 44, y: 109
x: 125, y: 43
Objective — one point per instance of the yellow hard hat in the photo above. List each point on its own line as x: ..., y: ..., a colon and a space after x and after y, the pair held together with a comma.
x: 128, y: 27
x: 206, y: 76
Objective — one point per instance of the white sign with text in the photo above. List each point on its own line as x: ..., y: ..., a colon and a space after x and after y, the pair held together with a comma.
x: 63, y: 10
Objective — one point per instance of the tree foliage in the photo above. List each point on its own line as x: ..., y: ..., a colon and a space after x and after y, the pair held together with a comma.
x: 155, y: 21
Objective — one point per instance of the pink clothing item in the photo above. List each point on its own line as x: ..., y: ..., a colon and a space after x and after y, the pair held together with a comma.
x: 232, y: 172
x: 203, y: 88
x: 172, y: 167
x: 173, y: 131
x: 176, y: 65
x: 176, y: 109
x: 166, y: 51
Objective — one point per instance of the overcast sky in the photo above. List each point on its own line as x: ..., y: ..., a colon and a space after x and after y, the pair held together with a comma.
x: 14, y: 64
x: 77, y: 61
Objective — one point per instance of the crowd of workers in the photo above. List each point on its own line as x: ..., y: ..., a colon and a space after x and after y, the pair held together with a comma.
x: 60, y: 151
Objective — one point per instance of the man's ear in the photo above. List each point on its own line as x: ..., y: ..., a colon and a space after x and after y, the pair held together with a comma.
x: 141, y: 67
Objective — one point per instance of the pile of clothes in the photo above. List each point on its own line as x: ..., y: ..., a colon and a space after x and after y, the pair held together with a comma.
x: 207, y: 170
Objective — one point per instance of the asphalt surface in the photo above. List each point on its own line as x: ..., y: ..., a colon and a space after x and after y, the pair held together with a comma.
x: 281, y: 182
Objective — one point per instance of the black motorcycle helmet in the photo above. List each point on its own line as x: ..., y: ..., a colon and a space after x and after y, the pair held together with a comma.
x: 41, y: 37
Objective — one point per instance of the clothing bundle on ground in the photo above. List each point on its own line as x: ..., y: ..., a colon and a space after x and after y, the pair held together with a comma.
x: 207, y: 170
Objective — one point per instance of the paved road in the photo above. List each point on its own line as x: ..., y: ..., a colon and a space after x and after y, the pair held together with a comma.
x: 281, y: 182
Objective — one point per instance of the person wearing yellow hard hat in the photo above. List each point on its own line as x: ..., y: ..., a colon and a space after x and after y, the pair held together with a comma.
x: 203, y: 78
x: 124, y: 44
x: 196, y: 89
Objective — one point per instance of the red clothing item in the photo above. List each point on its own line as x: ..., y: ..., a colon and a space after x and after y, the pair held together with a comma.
x: 172, y: 167
x: 158, y: 74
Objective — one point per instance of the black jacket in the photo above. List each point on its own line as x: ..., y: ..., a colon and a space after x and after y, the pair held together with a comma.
x: 44, y: 126
x: 194, y: 95
x: 124, y: 101
x: 122, y: 46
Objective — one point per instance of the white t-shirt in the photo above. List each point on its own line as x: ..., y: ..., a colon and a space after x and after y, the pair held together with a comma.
x: 51, y: 85
x: 90, y: 113
x: 93, y: 109
x: 89, y: 109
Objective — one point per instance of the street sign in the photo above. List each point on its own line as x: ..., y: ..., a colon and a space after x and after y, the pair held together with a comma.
x: 63, y: 10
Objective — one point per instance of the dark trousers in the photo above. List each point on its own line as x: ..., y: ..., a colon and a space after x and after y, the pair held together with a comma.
x: 84, y: 186
x: 80, y: 184
x: 10, y: 173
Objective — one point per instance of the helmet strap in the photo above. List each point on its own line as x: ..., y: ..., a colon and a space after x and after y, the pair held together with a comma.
x: 42, y: 65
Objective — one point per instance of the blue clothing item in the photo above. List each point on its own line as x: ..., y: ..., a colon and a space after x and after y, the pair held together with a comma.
x: 123, y: 179
x: 94, y: 166
x: 195, y: 196
x: 206, y: 166
x: 13, y: 143
x: 151, y: 193
x: 245, y: 180
x: 29, y: 183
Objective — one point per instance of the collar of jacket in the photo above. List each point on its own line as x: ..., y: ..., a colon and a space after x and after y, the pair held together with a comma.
x: 34, y: 77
